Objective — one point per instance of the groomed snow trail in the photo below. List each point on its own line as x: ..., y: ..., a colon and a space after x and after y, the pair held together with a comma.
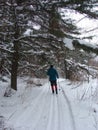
x: 45, y: 111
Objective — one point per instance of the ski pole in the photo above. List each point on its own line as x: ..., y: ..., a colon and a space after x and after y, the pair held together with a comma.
x: 59, y: 85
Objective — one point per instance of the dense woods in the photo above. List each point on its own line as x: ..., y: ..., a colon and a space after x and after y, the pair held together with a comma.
x: 31, y: 37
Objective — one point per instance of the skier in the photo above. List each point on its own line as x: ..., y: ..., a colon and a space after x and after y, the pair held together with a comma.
x: 53, y: 75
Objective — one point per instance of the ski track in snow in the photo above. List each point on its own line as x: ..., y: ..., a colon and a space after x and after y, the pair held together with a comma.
x: 47, y: 111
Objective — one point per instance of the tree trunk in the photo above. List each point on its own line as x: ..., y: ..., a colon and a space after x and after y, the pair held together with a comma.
x: 1, y: 65
x: 15, y: 56
x: 14, y: 68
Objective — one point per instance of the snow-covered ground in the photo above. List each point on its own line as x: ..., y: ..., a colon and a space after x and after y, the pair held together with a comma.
x: 34, y: 107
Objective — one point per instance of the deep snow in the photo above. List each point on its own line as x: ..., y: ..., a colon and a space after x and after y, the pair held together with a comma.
x: 34, y: 107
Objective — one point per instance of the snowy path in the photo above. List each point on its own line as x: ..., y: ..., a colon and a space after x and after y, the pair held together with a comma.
x: 43, y: 112
x: 36, y: 108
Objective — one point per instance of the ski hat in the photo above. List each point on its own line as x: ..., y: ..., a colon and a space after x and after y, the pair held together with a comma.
x: 51, y: 66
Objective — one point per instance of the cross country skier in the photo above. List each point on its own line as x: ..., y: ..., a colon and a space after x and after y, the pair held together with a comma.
x: 53, y: 75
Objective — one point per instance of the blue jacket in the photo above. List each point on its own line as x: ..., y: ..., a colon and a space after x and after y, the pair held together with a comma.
x: 52, y: 73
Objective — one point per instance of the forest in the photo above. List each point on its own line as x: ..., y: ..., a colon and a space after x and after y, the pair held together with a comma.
x: 32, y: 33
x: 35, y: 34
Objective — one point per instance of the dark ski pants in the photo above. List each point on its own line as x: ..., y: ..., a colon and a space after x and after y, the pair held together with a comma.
x: 54, y: 86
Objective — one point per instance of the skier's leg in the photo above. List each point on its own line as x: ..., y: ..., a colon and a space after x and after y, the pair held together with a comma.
x: 56, y: 88
x: 52, y: 87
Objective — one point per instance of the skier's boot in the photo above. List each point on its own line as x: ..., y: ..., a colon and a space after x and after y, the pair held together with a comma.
x: 53, y: 91
x: 56, y: 91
